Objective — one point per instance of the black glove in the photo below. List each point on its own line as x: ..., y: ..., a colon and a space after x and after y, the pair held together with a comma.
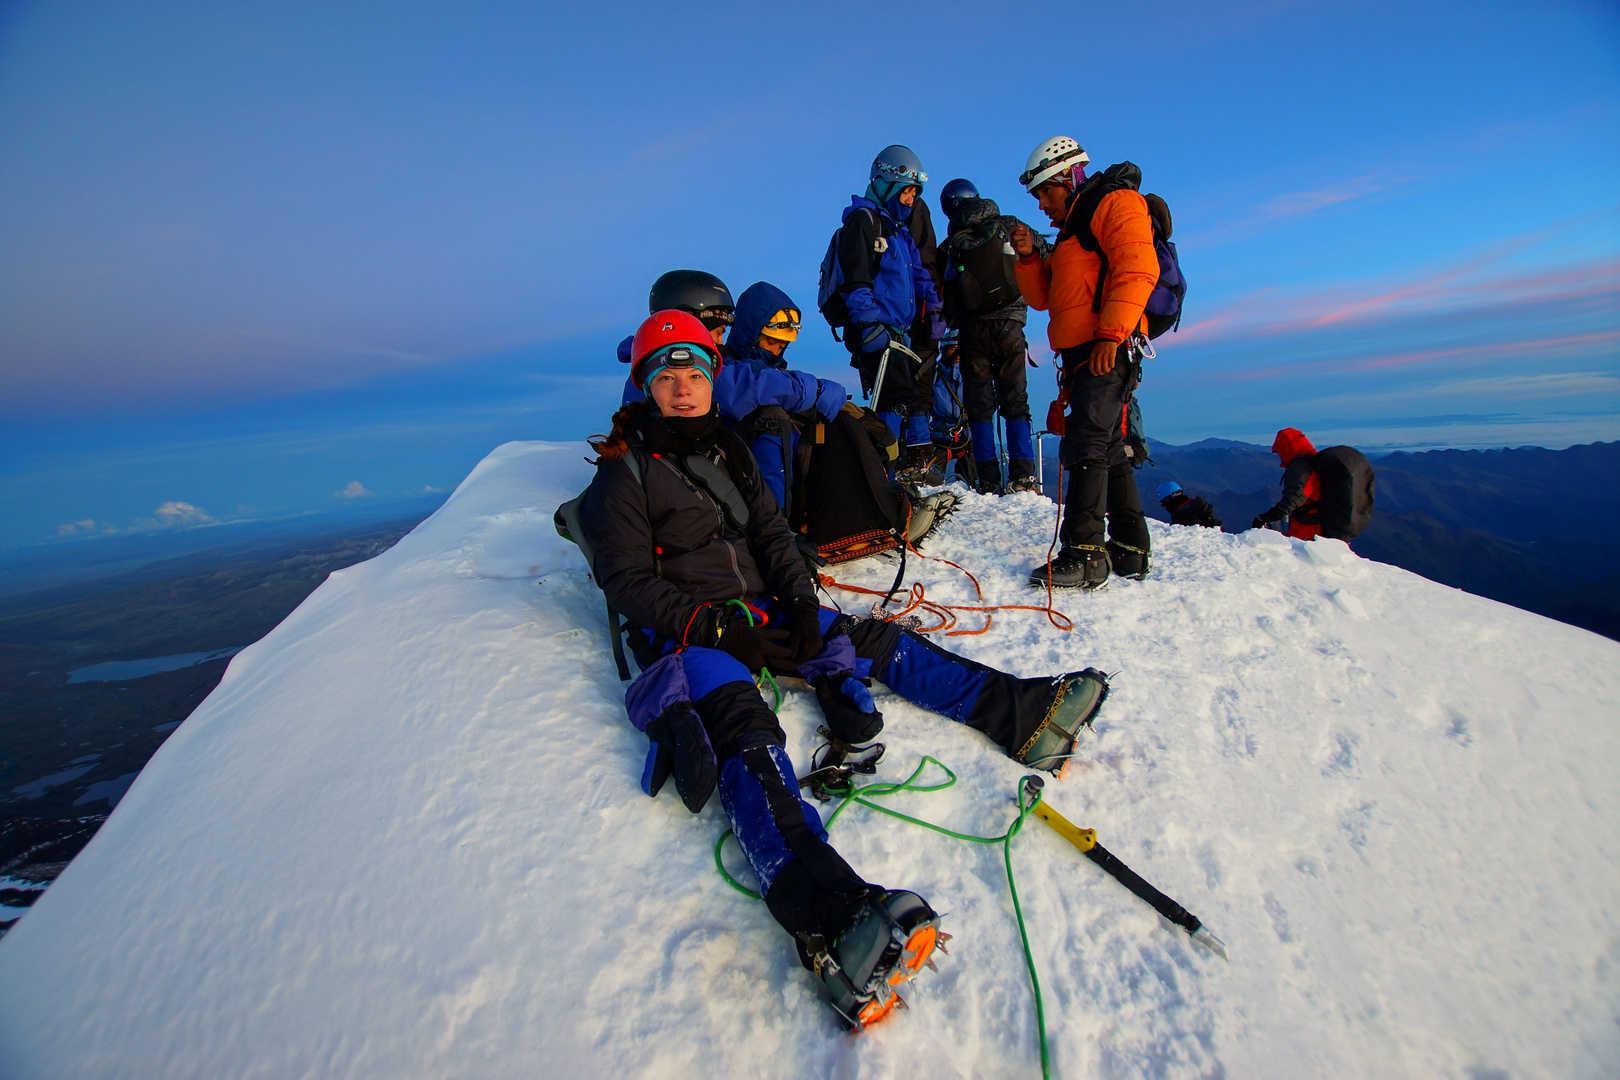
x: 847, y: 704
x: 726, y: 627
x: 678, y: 745
x: 1265, y: 519
x: 804, y: 629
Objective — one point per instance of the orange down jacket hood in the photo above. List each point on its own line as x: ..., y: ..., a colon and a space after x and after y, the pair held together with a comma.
x: 1289, y: 444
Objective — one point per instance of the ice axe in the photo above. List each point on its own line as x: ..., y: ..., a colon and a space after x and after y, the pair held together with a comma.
x: 1086, y: 841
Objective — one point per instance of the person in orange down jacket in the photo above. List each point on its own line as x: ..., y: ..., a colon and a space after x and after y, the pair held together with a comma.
x: 1094, y: 284
x: 1301, y: 501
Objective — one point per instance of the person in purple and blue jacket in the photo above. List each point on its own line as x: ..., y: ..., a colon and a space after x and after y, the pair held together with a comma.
x: 888, y: 291
x: 690, y: 548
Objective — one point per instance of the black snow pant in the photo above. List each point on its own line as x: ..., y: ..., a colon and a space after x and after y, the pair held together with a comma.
x: 991, y: 352
x: 1102, y: 484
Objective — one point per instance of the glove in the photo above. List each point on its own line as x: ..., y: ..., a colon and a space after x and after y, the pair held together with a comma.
x: 875, y: 338
x: 847, y: 704
x: 757, y: 648
x: 726, y: 627
x: 678, y: 746
x: 1265, y: 519
x: 804, y: 632
x: 936, y: 324
x: 830, y: 397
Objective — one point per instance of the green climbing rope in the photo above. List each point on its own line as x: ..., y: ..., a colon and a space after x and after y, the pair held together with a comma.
x: 765, y: 675
x: 864, y: 795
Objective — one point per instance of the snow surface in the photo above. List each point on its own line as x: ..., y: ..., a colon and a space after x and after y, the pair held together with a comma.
x: 404, y: 838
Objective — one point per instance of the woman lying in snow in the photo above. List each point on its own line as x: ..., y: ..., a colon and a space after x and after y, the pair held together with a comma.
x: 690, y: 546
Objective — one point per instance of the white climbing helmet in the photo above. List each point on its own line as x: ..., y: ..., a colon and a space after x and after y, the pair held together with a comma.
x: 1052, y: 158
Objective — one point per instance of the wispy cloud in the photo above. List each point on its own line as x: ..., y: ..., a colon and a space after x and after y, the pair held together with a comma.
x: 354, y: 490
x: 174, y: 514
x: 1460, y: 286
x: 1450, y: 356
x: 87, y: 527
x: 1294, y: 204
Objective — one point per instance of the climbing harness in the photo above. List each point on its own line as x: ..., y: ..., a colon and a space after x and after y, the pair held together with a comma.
x: 1030, y: 802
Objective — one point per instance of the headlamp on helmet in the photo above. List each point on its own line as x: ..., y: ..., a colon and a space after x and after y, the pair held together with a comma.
x: 1055, y: 159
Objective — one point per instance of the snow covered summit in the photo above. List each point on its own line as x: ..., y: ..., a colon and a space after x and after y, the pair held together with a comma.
x: 404, y: 837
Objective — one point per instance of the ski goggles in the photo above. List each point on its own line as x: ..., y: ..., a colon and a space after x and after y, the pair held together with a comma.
x: 789, y: 323
x: 909, y: 177
x: 716, y: 317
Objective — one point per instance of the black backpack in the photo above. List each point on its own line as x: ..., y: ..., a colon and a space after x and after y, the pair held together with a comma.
x: 980, y: 270
x: 1163, y: 309
x: 830, y: 288
x: 1346, y: 478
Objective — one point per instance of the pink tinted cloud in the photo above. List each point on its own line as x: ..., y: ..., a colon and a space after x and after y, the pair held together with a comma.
x: 1293, y: 204
x: 1270, y: 311
x: 1454, y: 356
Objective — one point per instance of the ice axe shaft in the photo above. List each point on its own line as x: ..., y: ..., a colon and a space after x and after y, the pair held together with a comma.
x: 1086, y: 841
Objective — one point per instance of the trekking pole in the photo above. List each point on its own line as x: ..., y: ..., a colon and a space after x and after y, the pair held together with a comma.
x: 1086, y: 841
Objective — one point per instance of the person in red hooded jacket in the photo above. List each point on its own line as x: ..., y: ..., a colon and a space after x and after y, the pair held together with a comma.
x: 1301, y: 501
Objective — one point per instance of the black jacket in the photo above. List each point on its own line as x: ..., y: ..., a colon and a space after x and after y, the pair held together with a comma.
x: 1295, y: 503
x: 1190, y: 510
x: 975, y: 215
x: 664, y: 545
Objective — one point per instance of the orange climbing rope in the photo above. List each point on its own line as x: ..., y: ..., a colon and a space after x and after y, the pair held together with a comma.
x: 918, y: 600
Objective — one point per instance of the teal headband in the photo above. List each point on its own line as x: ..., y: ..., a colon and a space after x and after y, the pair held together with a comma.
x: 678, y: 355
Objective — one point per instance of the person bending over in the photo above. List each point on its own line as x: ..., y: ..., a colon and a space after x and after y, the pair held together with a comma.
x: 1184, y: 509
x: 1301, y: 501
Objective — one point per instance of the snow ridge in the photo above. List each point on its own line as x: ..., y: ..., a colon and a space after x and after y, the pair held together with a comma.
x: 404, y: 837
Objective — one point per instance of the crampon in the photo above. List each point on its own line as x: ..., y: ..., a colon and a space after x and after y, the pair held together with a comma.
x: 892, y: 937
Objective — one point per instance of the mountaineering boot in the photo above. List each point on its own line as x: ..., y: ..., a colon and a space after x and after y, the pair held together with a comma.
x: 1076, y: 697
x: 924, y: 465
x: 1023, y: 478
x: 889, y: 939
x: 1128, y: 561
x: 927, y: 511
x: 1080, y: 566
x: 989, y: 476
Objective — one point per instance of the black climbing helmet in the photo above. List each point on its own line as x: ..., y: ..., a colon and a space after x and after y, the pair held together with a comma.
x: 954, y: 193
x: 695, y: 291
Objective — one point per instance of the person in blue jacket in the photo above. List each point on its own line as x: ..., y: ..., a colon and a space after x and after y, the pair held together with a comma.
x: 886, y: 291
x: 767, y: 322
x: 740, y: 389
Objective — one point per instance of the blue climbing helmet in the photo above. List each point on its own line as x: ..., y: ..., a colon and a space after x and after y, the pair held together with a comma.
x: 894, y: 169
x: 954, y: 194
x: 1167, y: 489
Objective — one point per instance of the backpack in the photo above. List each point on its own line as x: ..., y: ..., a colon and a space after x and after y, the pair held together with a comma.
x: 1346, y: 478
x: 979, y: 271
x: 1163, y: 310
x: 1136, y: 447
x: 830, y: 290
x: 571, y: 528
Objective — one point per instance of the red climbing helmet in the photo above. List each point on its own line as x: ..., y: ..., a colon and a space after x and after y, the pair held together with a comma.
x: 672, y: 339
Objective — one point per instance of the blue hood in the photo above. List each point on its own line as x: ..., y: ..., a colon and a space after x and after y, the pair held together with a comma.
x: 755, y: 307
x: 886, y: 193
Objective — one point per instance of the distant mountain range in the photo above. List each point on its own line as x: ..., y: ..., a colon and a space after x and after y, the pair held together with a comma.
x: 1539, y: 529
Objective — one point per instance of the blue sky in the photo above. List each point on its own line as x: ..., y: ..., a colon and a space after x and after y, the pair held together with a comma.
x: 259, y: 260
